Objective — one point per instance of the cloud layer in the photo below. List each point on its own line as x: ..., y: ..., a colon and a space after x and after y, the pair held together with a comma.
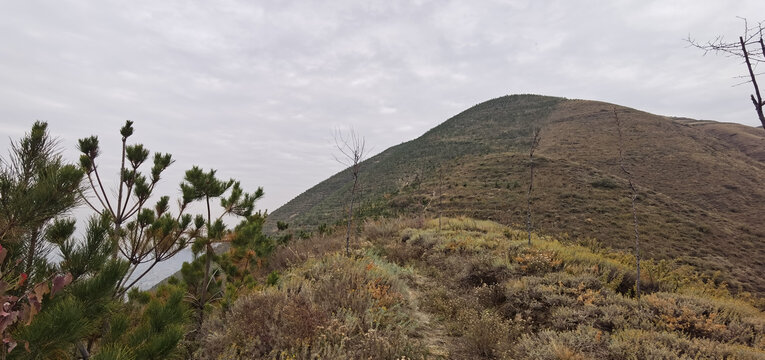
x: 255, y: 89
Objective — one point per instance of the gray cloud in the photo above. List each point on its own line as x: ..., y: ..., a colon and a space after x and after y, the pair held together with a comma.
x: 255, y: 89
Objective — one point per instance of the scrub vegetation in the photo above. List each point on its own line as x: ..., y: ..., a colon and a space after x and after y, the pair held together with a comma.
x: 476, y: 289
x: 446, y: 262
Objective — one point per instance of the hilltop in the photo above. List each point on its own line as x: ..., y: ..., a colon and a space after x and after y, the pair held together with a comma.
x: 699, y: 202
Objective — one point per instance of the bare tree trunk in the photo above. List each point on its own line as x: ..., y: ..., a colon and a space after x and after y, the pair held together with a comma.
x: 756, y: 97
x: 633, y: 198
x: 204, y: 285
x: 353, y: 150
x: 637, y: 241
x: 350, y: 218
x: 440, y: 195
x: 752, y: 36
x: 534, y: 143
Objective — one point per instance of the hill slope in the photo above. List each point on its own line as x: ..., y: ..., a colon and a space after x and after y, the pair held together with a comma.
x: 698, y: 180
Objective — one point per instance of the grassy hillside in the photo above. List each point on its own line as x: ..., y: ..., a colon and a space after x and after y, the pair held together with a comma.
x: 473, y: 289
x: 473, y: 132
x: 700, y: 199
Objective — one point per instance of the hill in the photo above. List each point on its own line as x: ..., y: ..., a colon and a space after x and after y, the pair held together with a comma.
x: 699, y: 181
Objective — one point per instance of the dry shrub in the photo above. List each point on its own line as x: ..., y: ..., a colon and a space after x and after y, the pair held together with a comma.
x: 534, y: 261
x: 583, y: 343
x: 640, y: 344
x: 407, y: 246
x: 705, y: 318
x: 388, y: 229
x: 486, y: 333
x: 334, y: 307
x: 360, y: 285
x: 376, y: 230
x: 299, y: 251
x: 483, y: 270
x: 384, y: 345
x: 260, y: 323
x: 404, y: 253
x: 537, y: 298
x: 490, y: 295
x: 525, y: 299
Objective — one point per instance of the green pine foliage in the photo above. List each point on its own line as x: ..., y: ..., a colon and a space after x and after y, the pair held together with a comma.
x: 193, y: 275
x: 246, y: 238
x: 248, y: 247
x: 160, y: 327
x: 37, y: 187
x: 75, y: 315
x: 139, y: 233
x: 86, y: 257
x: 74, y: 308
x: 54, y: 331
x: 115, y: 352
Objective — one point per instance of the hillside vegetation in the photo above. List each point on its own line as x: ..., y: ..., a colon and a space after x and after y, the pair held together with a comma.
x: 475, y: 289
x: 438, y: 268
x: 700, y: 199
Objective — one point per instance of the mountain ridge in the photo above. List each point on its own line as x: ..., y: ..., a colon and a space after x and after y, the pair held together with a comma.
x: 698, y: 180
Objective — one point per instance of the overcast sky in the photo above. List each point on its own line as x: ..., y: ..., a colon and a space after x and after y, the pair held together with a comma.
x: 255, y: 88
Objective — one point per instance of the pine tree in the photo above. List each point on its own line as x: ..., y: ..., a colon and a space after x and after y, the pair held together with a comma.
x: 36, y: 187
x: 70, y: 306
x: 160, y: 327
x: 205, y: 186
x: 141, y: 234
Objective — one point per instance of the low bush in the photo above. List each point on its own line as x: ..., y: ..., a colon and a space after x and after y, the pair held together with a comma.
x: 331, y: 307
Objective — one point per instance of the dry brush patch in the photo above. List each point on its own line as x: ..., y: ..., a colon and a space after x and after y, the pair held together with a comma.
x: 556, y: 300
x: 330, y: 307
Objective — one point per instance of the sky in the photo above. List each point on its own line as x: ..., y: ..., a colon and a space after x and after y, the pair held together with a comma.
x: 256, y: 89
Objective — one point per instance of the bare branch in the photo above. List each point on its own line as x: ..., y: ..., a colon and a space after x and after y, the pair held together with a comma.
x: 751, y: 48
x: 752, y: 36
x: 352, y: 148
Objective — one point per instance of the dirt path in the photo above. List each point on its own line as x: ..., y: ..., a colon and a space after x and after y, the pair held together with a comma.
x: 432, y: 331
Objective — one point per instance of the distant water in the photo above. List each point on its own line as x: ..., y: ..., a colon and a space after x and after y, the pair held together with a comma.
x: 164, y: 269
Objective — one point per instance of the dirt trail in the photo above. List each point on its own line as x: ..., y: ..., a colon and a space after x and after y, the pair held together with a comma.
x: 432, y: 331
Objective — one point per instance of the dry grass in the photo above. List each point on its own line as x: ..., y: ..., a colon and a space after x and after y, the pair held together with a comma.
x: 328, y: 307
x: 566, y: 301
x: 475, y: 290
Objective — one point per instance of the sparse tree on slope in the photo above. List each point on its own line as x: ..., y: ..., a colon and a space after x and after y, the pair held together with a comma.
x: 750, y: 47
x: 633, y: 198
x: 352, y: 152
x: 534, y: 143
